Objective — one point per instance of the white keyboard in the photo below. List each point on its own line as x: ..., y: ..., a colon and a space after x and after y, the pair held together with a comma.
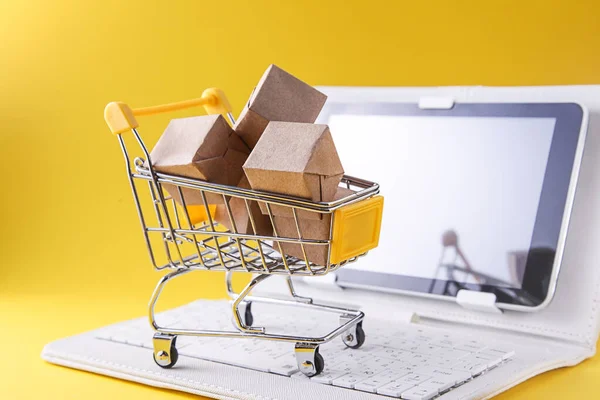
x: 408, y: 361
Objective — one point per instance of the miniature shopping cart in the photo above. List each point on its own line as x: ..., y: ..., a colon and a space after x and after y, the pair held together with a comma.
x: 182, y: 239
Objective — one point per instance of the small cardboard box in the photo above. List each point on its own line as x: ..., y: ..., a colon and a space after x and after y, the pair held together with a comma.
x: 310, y: 229
x: 295, y: 159
x: 204, y: 148
x: 278, y: 96
x: 239, y: 212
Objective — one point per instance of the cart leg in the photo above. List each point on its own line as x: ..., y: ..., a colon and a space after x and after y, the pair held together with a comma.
x: 310, y: 362
x: 237, y: 319
x: 229, y: 285
x: 165, y: 351
x: 355, y: 336
x: 245, y: 307
x: 298, y: 298
x: 158, y: 290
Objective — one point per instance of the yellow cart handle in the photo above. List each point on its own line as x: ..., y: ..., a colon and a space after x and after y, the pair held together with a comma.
x: 121, y: 118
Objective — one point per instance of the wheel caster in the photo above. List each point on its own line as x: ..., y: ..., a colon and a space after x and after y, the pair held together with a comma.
x: 310, y: 362
x: 165, y: 350
x: 355, y: 337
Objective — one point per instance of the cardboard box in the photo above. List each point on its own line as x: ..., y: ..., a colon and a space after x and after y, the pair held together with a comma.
x: 204, y: 148
x: 310, y: 229
x: 295, y: 159
x: 262, y: 223
x: 278, y: 96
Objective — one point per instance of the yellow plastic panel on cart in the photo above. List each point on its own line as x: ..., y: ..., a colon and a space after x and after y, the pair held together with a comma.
x: 198, y: 213
x: 356, y: 229
x: 119, y: 117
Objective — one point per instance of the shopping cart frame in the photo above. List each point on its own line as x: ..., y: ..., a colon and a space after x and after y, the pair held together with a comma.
x: 235, y: 254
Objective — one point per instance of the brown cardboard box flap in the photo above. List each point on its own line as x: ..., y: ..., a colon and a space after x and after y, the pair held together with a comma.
x: 236, y: 143
x: 234, y: 161
x: 250, y: 127
x: 278, y: 96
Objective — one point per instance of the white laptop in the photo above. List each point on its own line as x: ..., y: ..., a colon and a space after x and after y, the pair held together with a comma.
x: 485, y: 274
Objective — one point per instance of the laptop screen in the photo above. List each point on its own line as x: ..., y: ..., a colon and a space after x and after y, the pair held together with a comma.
x: 458, y: 190
x: 477, y: 196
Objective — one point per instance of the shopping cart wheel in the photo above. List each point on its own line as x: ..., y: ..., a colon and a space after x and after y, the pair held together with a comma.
x: 165, y: 350
x: 248, y: 318
x: 354, y: 338
x: 245, y: 310
x: 319, y: 363
x: 310, y: 361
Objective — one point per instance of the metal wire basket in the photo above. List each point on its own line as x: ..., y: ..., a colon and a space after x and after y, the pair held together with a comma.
x: 182, y: 238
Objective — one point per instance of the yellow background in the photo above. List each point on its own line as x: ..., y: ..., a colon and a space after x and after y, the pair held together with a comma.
x: 72, y: 257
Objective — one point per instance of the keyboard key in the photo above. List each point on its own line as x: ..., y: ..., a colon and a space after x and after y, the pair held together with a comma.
x: 413, y: 363
x: 429, y: 350
x: 416, y: 357
x: 423, y: 337
x: 369, y: 386
x: 394, y: 388
x: 419, y: 393
x: 484, y: 357
x: 414, y: 378
x: 489, y: 360
x: 411, y: 347
x: 453, y: 354
x: 328, y: 376
x: 444, y: 342
x: 369, y: 370
x: 348, y: 380
x: 343, y: 366
x: 444, y: 373
x: 359, y: 355
x: 499, y: 352
x: 405, y: 343
x: 300, y: 376
x: 353, y: 356
x: 441, y: 362
x: 473, y: 367
x: 286, y: 369
x: 388, y: 352
x: 440, y: 384
x: 373, y: 383
x: 470, y: 345
x: 382, y: 363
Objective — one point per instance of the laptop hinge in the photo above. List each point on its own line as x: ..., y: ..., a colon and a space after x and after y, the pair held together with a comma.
x: 478, y: 301
x: 436, y: 103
